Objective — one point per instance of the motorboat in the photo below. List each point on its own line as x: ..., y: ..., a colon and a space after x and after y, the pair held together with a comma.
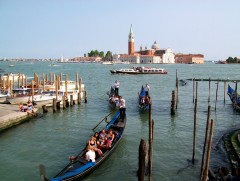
x: 140, y: 70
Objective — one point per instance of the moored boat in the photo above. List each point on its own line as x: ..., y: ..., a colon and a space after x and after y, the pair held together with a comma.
x: 143, y: 100
x: 79, y: 167
x: 140, y: 70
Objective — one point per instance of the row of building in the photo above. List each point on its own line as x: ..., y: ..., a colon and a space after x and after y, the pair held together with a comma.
x: 147, y: 56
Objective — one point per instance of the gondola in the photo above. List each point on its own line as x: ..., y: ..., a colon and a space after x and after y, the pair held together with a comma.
x: 79, y: 167
x: 232, y: 96
x: 143, y: 100
x: 112, y: 97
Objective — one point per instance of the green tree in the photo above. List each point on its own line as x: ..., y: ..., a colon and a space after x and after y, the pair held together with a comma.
x: 101, y: 54
x: 108, y: 56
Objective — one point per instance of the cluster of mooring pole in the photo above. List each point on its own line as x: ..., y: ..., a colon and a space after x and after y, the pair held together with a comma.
x: 49, y: 82
x: 142, y: 171
x: 56, y: 105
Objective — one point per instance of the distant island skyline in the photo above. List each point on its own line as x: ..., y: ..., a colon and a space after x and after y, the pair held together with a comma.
x: 53, y: 29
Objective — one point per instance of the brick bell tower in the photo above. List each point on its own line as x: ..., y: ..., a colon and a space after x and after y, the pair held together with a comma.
x: 131, y: 42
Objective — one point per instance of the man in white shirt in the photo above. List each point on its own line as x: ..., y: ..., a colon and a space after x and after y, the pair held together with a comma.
x: 147, y: 88
x: 122, y: 109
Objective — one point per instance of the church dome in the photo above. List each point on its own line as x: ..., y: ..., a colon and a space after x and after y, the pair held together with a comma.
x: 155, y: 46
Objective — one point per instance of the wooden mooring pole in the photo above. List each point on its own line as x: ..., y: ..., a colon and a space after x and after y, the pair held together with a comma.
x: 177, y: 88
x: 195, y: 126
x: 141, y: 160
x: 205, y: 142
x: 86, y: 96
x: 208, y: 151
x: 150, y: 142
x: 224, y: 92
x: 209, y: 88
x: 54, y: 105
x: 193, y: 89
x: 216, y: 96
x: 235, y: 101
x: 173, y: 103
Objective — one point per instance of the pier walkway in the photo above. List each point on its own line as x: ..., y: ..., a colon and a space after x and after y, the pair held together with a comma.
x: 10, y: 116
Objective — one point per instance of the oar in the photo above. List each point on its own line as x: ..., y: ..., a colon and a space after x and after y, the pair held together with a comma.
x: 103, y: 119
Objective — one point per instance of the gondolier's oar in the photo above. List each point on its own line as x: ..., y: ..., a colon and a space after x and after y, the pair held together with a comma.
x: 103, y: 119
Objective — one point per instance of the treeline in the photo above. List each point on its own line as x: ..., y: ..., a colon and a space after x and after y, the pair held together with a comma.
x: 96, y: 53
x: 233, y: 60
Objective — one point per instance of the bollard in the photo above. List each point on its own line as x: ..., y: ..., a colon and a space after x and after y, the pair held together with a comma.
x: 58, y: 105
x: 79, y: 98
x: 71, y: 100
x: 173, y: 103
x: 44, y: 107
x: 64, y: 101
x: 86, y: 95
x: 54, y: 105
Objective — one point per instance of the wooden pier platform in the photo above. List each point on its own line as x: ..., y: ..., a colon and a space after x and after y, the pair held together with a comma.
x: 10, y: 116
x: 219, y: 80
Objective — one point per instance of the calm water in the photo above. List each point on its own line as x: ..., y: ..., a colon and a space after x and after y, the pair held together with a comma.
x: 51, y: 138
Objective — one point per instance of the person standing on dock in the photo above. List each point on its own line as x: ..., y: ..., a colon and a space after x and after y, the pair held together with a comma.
x: 116, y: 87
x: 122, y: 107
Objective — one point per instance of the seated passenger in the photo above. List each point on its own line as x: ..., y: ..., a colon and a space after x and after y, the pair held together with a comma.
x: 90, y: 155
x: 102, y: 135
x: 93, y: 144
x: 106, y: 144
x: 111, y: 136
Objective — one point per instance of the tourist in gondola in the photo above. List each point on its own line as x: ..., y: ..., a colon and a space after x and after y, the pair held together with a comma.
x: 93, y: 144
x: 122, y: 106
x: 90, y: 155
x: 116, y: 87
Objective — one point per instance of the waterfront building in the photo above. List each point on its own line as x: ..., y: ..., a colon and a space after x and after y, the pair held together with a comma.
x: 147, y: 56
x: 86, y: 59
x: 189, y: 58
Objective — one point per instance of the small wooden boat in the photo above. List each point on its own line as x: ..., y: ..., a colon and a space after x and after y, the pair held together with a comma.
x: 143, y: 100
x: 234, y: 97
x: 140, y: 70
x: 79, y: 167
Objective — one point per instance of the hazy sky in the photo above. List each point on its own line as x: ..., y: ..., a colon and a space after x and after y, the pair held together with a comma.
x: 69, y: 28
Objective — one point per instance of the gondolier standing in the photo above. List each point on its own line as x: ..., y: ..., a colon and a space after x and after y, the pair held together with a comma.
x: 116, y: 87
x: 122, y: 107
x: 147, y: 88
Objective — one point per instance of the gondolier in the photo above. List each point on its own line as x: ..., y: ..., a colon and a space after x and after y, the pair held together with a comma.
x: 116, y: 87
x: 122, y: 107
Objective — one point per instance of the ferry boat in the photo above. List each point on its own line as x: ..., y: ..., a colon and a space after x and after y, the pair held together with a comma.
x: 140, y: 70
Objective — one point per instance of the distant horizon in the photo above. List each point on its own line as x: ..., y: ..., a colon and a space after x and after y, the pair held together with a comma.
x: 58, y: 28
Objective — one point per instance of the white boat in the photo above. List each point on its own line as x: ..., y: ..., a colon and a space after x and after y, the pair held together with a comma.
x: 3, y: 98
x: 140, y: 70
x: 21, y: 95
x: 107, y: 63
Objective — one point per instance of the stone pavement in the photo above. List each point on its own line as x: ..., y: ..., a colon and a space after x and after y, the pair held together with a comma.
x: 10, y: 116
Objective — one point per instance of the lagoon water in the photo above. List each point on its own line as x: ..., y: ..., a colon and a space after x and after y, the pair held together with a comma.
x: 51, y: 138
